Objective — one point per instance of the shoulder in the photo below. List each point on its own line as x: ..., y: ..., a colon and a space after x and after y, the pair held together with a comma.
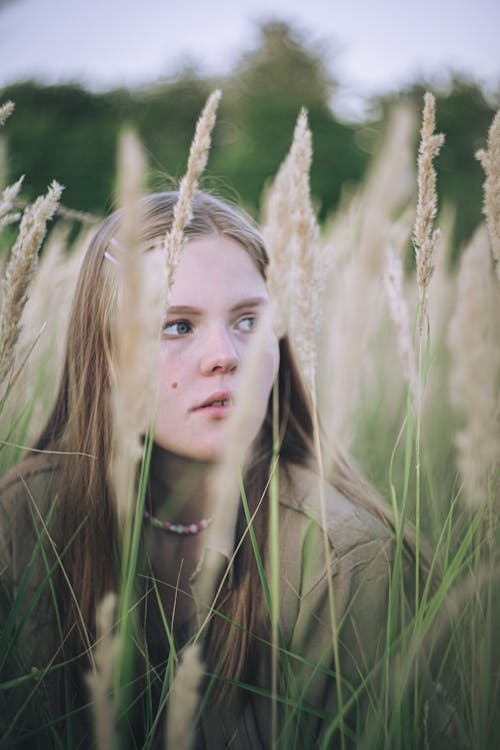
x: 27, y: 501
x: 357, y: 558
x: 349, y: 525
x: 34, y: 476
x: 27, y: 491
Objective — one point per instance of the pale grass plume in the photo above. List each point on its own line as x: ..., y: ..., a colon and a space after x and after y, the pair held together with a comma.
x: 385, y: 190
x: 136, y: 326
x: 198, y: 157
x: 355, y: 291
x: 7, y: 201
x: 441, y: 302
x: 393, y: 280
x: 310, y: 262
x: 39, y: 352
x: 299, y: 263
x: 224, y: 479
x: 4, y: 170
x: 277, y: 232
x: 19, y: 272
x: 100, y: 680
x: 10, y: 218
x: 72, y: 214
x: 183, y: 699
x: 441, y: 291
x: 490, y: 160
x: 5, y: 112
x: 425, y: 237
x: 474, y: 342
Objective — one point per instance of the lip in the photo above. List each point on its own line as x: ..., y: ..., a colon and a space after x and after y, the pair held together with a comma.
x: 210, y: 406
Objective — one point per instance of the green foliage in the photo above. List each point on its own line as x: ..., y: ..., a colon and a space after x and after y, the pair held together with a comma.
x: 164, y: 116
x: 263, y: 98
x: 68, y: 133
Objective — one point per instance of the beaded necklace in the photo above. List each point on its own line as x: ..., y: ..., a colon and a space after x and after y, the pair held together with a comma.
x: 177, y: 528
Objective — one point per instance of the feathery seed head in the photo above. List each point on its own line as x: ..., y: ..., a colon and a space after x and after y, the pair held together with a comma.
x: 475, y: 373
x: 393, y: 280
x: 100, y: 681
x: 198, y: 157
x: 20, y: 269
x: 298, y: 264
x: 183, y: 699
x: 425, y: 238
x: 490, y: 160
x: 9, y: 195
x: 136, y: 333
x: 5, y: 112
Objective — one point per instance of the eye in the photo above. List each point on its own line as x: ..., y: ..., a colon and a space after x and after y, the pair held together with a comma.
x: 247, y: 324
x: 177, y: 328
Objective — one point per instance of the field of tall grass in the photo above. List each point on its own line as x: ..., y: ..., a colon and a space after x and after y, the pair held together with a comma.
x: 401, y: 351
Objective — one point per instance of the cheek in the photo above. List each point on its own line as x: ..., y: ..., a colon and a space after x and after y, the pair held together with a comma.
x: 171, y: 378
x: 269, y: 371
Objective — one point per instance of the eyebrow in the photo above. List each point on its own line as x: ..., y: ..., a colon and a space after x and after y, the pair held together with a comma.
x: 189, y: 309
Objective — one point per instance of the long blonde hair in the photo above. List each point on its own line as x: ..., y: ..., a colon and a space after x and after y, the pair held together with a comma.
x: 81, y: 424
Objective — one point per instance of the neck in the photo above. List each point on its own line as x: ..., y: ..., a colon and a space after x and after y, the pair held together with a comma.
x: 178, y: 486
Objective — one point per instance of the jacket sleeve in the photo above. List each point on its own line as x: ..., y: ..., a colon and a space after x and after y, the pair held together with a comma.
x: 363, y: 685
x: 336, y: 668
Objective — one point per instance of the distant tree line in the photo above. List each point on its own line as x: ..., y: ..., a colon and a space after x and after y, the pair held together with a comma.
x: 69, y: 133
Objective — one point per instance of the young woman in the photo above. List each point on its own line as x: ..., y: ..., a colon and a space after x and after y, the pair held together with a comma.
x: 59, y: 539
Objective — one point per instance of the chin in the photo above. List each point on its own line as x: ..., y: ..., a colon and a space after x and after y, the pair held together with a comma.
x: 207, y: 453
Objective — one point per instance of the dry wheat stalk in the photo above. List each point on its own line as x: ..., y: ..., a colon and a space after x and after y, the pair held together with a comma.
x: 136, y: 327
x: 424, y: 236
x: 474, y: 344
x: 100, y: 681
x: 198, y: 156
x: 393, y: 279
x: 183, y: 700
x: 20, y: 270
x: 490, y: 160
x: 5, y: 112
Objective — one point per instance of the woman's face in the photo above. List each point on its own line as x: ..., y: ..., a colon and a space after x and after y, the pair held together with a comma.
x: 216, y: 299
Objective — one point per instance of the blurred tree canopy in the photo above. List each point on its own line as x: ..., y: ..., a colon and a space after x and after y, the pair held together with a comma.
x: 68, y: 133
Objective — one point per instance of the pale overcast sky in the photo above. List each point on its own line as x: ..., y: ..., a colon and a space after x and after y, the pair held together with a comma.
x: 374, y: 45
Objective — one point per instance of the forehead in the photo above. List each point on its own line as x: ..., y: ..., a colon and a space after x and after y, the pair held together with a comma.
x: 216, y: 268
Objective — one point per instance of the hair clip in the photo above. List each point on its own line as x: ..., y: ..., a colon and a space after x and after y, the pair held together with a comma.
x: 109, y: 257
x: 107, y: 254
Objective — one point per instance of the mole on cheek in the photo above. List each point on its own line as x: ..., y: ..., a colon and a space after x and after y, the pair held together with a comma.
x: 174, y: 385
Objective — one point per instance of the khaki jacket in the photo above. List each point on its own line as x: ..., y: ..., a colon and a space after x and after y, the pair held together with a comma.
x: 357, y: 560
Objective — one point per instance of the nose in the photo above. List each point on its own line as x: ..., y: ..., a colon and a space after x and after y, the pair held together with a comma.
x: 219, y: 353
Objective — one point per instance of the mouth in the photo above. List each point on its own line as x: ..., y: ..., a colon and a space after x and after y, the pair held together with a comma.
x: 220, y: 400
